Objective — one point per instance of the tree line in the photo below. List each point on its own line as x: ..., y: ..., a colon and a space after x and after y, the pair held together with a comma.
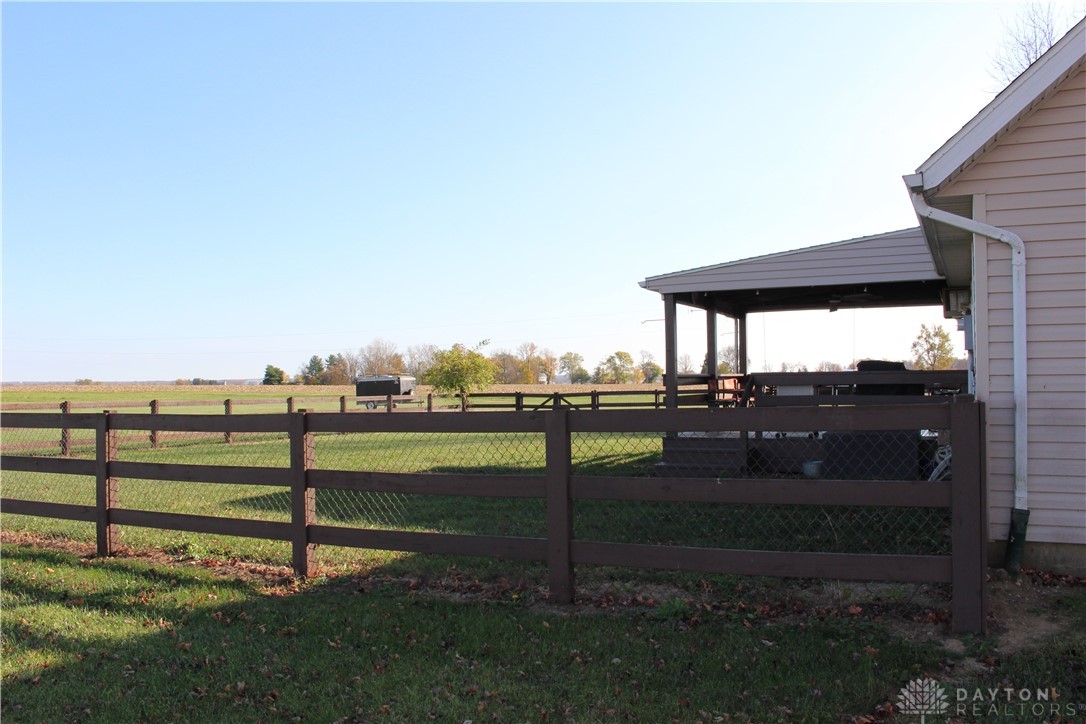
x: 460, y: 368
x: 427, y: 363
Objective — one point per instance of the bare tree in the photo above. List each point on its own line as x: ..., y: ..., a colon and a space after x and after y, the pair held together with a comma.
x: 353, y: 361
x: 420, y: 357
x: 380, y: 357
x: 686, y: 364
x: 826, y: 366
x: 1036, y: 29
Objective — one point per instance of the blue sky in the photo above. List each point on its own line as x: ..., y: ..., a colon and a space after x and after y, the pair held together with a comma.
x: 202, y: 189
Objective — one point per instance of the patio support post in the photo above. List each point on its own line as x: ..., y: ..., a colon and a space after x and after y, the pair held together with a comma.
x: 710, y: 343
x: 741, y: 342
x: 671, y: 354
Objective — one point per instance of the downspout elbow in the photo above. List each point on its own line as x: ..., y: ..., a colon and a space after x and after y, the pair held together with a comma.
x: 915, y: 183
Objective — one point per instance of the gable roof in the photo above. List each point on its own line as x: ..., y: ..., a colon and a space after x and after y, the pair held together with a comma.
x: 1036, y: 83
x: 894, y: 268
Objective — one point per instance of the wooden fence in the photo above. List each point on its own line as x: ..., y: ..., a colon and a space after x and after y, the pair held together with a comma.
x: 560, y: 487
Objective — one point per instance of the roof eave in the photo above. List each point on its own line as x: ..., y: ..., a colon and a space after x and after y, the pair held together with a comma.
x: 999, y: 116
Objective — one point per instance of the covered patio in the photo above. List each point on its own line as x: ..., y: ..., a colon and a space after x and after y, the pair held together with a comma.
x: 894, y: 269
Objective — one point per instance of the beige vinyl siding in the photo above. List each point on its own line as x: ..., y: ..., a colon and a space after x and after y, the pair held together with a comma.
x: 1033, y: 182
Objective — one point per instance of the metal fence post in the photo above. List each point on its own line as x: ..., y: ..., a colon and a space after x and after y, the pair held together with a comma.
x: 228, y: 408
x: 65, y: 433
x: 559, y: 507
x: 154, y: 433
x: 105, y: 486
x: 968, y: 517
x: 302, y: 497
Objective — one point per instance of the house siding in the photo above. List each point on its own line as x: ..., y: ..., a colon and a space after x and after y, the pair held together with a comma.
x: 1033, y: 182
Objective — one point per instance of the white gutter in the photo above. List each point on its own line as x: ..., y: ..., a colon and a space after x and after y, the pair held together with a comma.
x: 1018, y: 321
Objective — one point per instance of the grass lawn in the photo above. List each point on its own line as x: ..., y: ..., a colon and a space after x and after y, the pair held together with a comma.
x: 200, y: 627
x: 149, y: 638
x: 132, y: 639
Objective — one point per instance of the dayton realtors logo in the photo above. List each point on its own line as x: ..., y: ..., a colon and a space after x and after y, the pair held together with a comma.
x: 928, y: 698
x: 923, y: 698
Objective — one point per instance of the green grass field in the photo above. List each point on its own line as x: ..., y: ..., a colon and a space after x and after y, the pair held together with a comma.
x: 126, y: 640
x: 702, y: 525
x: 406, y: 637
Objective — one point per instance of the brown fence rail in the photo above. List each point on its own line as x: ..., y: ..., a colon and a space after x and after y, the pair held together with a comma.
x: 568, y: 467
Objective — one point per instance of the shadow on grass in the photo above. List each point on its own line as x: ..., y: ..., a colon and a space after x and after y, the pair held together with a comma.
x: 124, y: 640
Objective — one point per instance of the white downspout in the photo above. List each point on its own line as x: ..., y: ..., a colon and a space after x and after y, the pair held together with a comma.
x: 1018, y: 322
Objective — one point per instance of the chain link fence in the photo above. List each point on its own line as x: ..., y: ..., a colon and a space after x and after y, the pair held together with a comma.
x: 241, y: 449
x: 899, y: 455
x: 511, y: 453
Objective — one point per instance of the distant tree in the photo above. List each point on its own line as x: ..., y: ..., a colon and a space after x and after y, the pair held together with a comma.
x: 548, y: 365
x: 1036, y: 29
x: 507, y: 367
x: 313, y: 372
x: 336, y: 371
x: 932, y: 349
x: 724, y: 365
x: 353, y: 362
x: 572, y: 365
x: 686, y: 364
x: 730, y: 357
x: 826, y: 366
x: 274, y: 376
x: 528, y: 353
x: 460, y: 369
x: 380, y: 357
x: 420, y: 357
x: 793, y: 367
x: 650, y: 371
x: 85, y: 381
x: 182, y: 381
x: 617, y: 368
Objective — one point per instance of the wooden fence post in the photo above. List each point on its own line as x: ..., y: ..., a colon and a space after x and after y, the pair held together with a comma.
x: 65, y: 433
x: 154, y: 433
x: 290, y: 405
x: 596, y: 400
x: 520, y: 401
x: 968, y: 517
x: 388, y: 404
x: 228, y: 408
x: 463, y: 402
x: 429, y: 401
x: 343, y: 404
x: 105, y: 486
x: 302, y: 497
x: 559, y: 507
